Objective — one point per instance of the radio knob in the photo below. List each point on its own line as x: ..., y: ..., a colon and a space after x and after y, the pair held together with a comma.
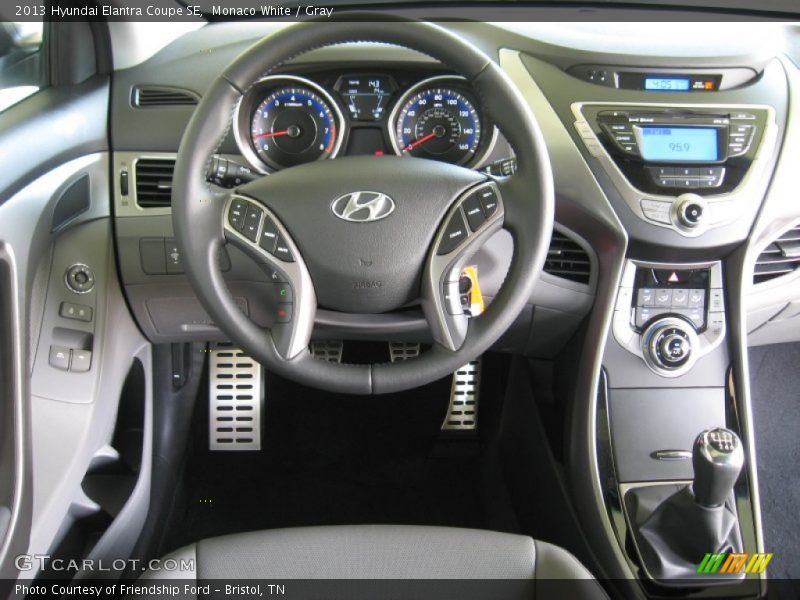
x: 690, y: 208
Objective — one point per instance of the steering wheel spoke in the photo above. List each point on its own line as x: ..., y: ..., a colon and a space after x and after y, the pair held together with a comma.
x: 474, y: 217
x: 259, y: 233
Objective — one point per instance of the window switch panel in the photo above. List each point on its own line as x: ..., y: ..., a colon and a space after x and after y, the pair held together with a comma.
x: 60, y: 357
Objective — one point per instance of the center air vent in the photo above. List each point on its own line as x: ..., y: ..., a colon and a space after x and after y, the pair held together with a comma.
x: 145, y: 96
x: 566, y: 259
x: 154, y: 182
x: 781, y: 257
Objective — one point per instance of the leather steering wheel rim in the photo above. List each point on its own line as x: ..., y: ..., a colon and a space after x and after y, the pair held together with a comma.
x: 527, y: 197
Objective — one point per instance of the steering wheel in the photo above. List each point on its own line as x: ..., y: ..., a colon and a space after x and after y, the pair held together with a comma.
x: 407, y: 237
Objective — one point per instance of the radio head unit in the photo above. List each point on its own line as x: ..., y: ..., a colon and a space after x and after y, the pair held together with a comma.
x: 672, y: 150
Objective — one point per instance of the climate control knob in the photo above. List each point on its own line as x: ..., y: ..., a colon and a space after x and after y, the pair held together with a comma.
x: 668, y: 345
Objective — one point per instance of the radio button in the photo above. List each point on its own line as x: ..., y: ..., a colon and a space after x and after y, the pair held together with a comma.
x: 687, y: 172
x: 656, y: 211
x: 742, y: 116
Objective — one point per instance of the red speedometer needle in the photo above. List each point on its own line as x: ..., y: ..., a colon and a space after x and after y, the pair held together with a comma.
x: 421, y: 140
x: 272, y: 134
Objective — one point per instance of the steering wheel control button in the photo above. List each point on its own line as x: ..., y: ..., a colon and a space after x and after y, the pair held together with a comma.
x: 252, y: 220
x: 236, y: 213
x: 81, y: 361
x: 77, y: 312
x: 60, y: 357
x: 80, y: 279
x: 488, y: 199
x: 269, y: 235
x: 282, y: 250
x: 455, y: 233
x: 474, y: 212
x: 283, y: 313
x: 283, y: 292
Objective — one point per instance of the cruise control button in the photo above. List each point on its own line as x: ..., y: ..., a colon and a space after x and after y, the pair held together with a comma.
x: 269, y: 235
x: 474, y: 212
x: 236, y: 214
x: 282, y: 250
x: 488, y: 201
x: 252, y: 220
x: 455, y: 233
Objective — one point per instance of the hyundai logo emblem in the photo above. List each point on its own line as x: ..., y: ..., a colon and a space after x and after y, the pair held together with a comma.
x: 363, y: 207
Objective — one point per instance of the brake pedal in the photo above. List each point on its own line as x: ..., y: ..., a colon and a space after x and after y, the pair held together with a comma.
x: 234, y: 412
x: 403, y: 351
x: 462, y: 414
x: 329, y: 350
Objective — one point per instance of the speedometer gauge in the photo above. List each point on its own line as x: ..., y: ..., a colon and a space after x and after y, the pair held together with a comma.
x: 437, y: 122
x: 291, y: 121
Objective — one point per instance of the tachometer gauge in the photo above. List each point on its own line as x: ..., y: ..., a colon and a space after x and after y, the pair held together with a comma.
x: 436, y: 122
x: 293, y: 124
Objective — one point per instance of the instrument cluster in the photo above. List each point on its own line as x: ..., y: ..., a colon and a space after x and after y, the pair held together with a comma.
x: 287, y: 120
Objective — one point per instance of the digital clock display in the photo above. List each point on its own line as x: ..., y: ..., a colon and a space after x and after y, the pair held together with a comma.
x: 679, y: 144
x: 666, y: 84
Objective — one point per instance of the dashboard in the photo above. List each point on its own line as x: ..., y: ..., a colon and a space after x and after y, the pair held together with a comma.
x: 288, y: 119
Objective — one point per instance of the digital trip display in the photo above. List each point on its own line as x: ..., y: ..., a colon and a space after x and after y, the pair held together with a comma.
x: 666, y: 84
x: 679, y: 144
x: 366, y: 96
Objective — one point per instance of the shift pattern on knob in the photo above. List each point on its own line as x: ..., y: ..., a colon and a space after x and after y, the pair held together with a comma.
x: 717, y: 458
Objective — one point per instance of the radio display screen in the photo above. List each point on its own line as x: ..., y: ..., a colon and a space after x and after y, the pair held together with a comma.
x: 679, y: 144
x: 666, y: 84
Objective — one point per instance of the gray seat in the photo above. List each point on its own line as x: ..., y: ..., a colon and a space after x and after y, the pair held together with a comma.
x: 530, y: 568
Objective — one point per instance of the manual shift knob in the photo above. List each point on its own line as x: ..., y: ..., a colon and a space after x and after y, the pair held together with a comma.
x: 717, y: 458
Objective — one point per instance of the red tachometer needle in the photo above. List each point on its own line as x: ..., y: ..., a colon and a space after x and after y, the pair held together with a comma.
x: 421, y: 140
x: 272, y: 134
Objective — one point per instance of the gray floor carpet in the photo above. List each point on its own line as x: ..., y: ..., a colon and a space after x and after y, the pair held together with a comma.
x: 775, y: 389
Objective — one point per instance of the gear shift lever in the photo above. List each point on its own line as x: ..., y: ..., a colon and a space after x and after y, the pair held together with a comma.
x: 717, y: 458
x: 674, y: 529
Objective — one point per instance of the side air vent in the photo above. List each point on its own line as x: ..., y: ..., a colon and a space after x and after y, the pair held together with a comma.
x: 154, y: 182
x: 567, y: 259
x: 145, y: 96
x: 781, y: 257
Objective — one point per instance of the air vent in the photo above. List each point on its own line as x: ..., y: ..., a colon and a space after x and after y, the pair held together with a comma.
x: 147, y: 96
x: 566, y: 259
x: 781, y: 257
x: 154, y: 182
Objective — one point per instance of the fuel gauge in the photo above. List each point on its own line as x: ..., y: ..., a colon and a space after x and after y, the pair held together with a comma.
x: 366, y: 96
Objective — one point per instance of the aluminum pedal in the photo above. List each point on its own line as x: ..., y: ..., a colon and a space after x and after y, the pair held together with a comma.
x: 330, y: 350
x: 462, y: 414
x: 403, y: 351
x: 234, y: 394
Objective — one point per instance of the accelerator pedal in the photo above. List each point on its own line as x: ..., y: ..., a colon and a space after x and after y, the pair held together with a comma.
x: 234, y: 394
x: 329, y: 350
x: 462, y: 414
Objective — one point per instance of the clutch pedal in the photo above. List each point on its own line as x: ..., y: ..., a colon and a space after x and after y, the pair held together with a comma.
x: 235, y: 388
x: 403, y: 351
x: 462, y: 414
